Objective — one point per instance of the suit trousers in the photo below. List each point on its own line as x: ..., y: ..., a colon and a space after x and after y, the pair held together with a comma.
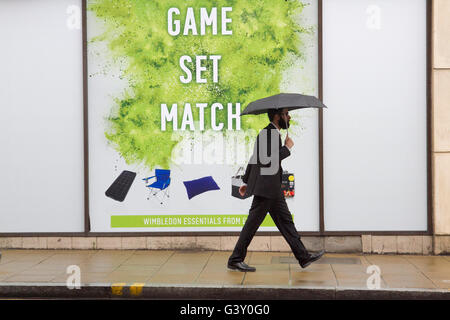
x: 280, y: 214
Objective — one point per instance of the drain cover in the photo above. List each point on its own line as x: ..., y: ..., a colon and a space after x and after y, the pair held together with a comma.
x: 324, y: 260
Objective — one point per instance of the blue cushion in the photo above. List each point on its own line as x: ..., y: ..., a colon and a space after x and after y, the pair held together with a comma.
x: 198, y: 186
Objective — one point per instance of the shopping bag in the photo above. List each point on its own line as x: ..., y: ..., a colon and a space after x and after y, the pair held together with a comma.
x: 236, y: 183
x: 288, y: 184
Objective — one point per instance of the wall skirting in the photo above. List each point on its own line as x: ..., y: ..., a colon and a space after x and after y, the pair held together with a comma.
x: 369, y: 244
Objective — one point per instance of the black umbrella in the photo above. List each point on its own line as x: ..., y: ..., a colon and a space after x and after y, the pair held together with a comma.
x: 291, y: 101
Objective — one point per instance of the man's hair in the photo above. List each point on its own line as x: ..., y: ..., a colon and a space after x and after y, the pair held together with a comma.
x: 272, y: 112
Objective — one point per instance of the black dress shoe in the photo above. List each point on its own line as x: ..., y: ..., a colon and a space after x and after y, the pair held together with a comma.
x: 312, y: 257
x: 241, y: 266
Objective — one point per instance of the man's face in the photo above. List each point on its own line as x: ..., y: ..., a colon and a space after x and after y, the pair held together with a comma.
x: 284, y: 119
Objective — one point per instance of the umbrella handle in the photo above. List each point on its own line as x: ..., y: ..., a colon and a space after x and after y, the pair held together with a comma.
x: 285, y: 120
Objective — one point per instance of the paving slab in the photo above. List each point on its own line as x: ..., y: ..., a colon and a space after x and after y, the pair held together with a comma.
x: 185, y: 274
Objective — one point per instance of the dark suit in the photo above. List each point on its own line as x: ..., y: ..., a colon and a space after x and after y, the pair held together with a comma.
x: 264, y: 185
x: 268, y: 197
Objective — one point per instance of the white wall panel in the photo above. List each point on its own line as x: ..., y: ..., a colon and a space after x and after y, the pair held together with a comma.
x: 41, y: 123
x: 374, y: 82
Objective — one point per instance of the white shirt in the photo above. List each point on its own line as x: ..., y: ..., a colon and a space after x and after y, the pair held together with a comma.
x: 276, y: 128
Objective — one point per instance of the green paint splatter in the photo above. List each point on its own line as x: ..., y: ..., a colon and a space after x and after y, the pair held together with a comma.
x: 266, y: 40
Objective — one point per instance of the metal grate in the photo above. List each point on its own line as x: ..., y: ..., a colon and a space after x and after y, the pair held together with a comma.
x: 324, y: 260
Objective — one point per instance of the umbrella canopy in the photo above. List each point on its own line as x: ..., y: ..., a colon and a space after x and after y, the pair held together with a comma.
x: 291, y: 101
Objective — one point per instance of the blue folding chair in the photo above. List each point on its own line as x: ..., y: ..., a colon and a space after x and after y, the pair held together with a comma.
x: 160, y: 188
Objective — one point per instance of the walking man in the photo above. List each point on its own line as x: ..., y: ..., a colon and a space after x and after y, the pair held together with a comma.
x: 262, y: 179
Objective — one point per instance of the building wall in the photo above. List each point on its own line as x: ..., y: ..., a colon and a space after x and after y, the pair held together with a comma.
x: 439, y: 243
x: 441, y: 125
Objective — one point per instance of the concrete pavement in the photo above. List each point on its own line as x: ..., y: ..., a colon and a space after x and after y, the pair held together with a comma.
x: 172, y: 274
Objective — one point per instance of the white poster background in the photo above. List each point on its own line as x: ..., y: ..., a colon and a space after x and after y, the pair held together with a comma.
x: 105, y: 164
x: 41, y: 122
x: 374, y: 64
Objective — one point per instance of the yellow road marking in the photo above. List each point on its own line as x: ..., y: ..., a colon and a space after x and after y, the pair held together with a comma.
x: 117, y: 288
x: 136, y: 289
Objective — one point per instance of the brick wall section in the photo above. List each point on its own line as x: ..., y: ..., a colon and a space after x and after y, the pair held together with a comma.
x: 422, y: 245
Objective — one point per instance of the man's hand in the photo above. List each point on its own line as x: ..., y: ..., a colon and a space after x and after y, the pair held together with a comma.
x: 288, y: 142
x: 242, y: 190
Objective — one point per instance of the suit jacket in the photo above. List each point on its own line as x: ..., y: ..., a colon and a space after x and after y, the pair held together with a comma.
x: 268, y: 186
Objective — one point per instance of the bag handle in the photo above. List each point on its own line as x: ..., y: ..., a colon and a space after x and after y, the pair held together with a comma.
x: 240, y: 168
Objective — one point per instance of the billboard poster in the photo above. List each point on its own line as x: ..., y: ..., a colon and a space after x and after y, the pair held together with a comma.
x: 167, y: 83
